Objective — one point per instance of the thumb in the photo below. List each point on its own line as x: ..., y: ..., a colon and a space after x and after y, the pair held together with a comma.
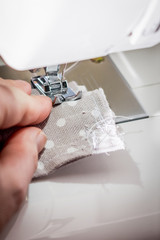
x: 18, y: 162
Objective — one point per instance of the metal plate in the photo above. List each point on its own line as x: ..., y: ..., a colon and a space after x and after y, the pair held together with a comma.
x: 105, y: 75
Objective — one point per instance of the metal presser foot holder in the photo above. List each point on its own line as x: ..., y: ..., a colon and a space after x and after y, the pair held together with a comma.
x: 54, y: 86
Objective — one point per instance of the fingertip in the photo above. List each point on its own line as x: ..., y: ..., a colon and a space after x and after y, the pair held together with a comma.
x: 23, y: 85
x: 21, y: 109
x: 21, y: 151
x: 44, y: 104
x: 41, y: 141
x: 46, y: 99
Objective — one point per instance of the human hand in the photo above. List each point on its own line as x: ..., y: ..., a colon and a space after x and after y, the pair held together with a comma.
x: 18, y: 158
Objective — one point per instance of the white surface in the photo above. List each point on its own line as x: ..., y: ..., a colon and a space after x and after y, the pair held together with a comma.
x: 139, y: 67
x: 100, y: 197
x: 149, y: 97
x: 47, y: 32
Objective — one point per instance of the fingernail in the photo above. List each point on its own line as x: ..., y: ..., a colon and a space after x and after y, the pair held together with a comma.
x: 41, y: 141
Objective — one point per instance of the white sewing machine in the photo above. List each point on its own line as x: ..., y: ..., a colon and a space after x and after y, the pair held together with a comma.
x: 101, y: 197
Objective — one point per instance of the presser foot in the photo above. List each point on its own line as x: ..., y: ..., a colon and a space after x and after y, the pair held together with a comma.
x: 53, y: 86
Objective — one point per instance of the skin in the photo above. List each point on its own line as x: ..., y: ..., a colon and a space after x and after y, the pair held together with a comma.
x: 18, y: 158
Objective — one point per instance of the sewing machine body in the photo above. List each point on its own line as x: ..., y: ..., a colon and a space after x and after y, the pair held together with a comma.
x: 44, y: 33
x: 99, y: 197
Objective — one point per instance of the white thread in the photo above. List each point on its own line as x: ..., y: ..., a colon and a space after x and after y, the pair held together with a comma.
x: 70, y: 68
x: 103, y: 135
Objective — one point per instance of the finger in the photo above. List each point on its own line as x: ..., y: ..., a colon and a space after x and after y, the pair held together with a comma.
x: 18, y: 162
x: 18, y: 108
x: 21, y: 153
x: 23, y: 85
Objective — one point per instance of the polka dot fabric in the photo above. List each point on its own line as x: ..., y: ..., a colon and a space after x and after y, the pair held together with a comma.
x: 68, y: 129
x: 75, y: 130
